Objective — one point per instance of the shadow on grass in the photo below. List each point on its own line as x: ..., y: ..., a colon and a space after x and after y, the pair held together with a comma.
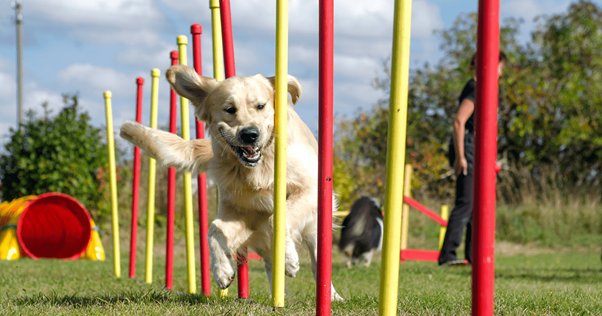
x: 152, y: 296
x: 571, y: 275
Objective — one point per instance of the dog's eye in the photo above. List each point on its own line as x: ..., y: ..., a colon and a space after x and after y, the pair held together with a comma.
x: 261, y: 106
x: 231, y: 110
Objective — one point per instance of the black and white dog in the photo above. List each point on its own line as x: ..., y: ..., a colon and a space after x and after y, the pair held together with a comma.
x: 362, y: 233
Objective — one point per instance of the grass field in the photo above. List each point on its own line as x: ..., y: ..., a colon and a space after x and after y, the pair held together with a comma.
x: 547, y: 283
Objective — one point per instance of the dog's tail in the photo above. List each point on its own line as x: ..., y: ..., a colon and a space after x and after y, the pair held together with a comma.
x: 169, y: 149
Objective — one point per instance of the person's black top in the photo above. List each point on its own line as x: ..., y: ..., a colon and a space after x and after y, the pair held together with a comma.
x: 469, y: 93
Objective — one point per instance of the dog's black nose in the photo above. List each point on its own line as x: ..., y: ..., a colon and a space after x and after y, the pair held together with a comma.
x: 249, y: 134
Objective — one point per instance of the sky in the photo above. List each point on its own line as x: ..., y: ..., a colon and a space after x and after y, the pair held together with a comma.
x: 95, y: 45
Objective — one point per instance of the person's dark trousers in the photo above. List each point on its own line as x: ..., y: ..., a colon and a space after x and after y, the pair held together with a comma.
x: 461, y: 215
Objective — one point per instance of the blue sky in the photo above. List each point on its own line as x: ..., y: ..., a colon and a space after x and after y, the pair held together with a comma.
x: 96, y: 45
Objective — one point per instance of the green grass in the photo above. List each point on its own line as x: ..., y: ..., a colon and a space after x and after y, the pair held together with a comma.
x: 540, y: 284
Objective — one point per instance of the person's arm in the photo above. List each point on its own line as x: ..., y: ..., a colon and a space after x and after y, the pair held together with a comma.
x: 464, y: 113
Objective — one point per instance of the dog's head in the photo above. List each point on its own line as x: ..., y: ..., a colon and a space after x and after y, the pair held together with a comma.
x: 239, y: 111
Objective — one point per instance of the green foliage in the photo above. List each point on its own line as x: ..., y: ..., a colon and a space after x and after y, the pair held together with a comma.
x: 63, y: 153
x: 550, y: 113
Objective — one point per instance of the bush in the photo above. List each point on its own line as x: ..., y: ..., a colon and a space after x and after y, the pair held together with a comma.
x: 63, y: 154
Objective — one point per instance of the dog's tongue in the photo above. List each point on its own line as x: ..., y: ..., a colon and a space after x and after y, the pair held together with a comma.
x: 250, y: 150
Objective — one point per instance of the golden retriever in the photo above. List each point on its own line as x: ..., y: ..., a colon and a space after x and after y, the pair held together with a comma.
x: 239, y: 113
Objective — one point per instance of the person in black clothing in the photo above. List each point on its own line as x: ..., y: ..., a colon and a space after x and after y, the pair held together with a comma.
x: 461, y: 158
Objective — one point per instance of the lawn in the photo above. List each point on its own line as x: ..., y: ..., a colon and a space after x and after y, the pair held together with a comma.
x: 536, y: 284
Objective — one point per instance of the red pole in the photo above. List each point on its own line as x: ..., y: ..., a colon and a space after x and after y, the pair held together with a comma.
x: 136, y: 184
x: 485, y: 157
x: 227, y: 41
x: 323, y: 281
x: 197, y: 30
x: 230, y: 71
x: 171, y: 183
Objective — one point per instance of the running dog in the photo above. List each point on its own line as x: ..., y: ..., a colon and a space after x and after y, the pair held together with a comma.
x: 239, y: 116
x: 362, y: 233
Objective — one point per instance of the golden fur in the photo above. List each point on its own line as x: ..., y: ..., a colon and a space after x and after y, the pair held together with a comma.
x: 245, y: 212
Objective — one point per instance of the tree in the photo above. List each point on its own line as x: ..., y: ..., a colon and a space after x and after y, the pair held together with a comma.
x: 550, y: 108
x: 63, y: 153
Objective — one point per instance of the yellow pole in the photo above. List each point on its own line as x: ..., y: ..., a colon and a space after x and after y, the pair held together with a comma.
x: 152, y: 172
x: 218, y: 74
x: 398, y: 108
x: 280, y: 161
x: 218, y: 56
x: 405, y: 211
x: 190, y: 256
x: 114, y: 210
x: 443, y: 229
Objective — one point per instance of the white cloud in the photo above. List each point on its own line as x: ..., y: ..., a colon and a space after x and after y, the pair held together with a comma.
x: 7, y: 87
x: 529, y: 9
x: 426, y: 18
x: 95, y: 79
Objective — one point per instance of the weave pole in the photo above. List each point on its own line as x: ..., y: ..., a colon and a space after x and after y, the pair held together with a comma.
x: 280, y: 129
x: 218, y: 74
x: 136, y: 183
x: 113, y: 177
x: 197, y: 30
x: 152, y: 173
x: 483, y: 278
x: 230, y: 71
x: 171, y: 184
x: 324, y: 277
x: 190, y: 257
x: 398, y: 108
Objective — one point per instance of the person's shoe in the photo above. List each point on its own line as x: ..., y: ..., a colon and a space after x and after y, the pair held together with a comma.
x: 452, y: 263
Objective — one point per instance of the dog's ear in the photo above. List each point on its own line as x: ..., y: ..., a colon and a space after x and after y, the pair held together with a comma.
x: 187, y: 83
x: 294, y: 87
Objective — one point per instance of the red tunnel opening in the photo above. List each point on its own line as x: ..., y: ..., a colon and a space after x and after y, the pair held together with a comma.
x: 54, y: 225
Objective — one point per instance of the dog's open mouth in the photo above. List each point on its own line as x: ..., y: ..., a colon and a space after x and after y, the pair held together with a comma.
x: 248, y: 155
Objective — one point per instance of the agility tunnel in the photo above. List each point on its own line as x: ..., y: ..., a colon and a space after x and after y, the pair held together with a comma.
x: 52, y: 225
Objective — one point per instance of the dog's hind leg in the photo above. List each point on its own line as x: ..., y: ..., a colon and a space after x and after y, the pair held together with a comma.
x: 311, y: 240
x: 291, y: 256
x: 368, y: 257
x: 225, y: 237
x: 266, y: 255
x: 169, y: 149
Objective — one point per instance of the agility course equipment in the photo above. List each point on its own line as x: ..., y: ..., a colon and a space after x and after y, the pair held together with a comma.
x: 413, y: 254
x: 190, y: 257
x: 484, y: 164
x: 114, y: 206
x: 52, y: 225
x: 136, y: 183
x: 326, y: 99
x: 230, y: 71
x: 218, y: 74
x: 197, y: 30
x: 398, y: 106
x: 483, y: 264
x: 152, y: 173
x: 171, y: 184
x: 280, y: 128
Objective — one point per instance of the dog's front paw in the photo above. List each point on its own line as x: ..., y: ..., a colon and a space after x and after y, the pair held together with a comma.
x: 224, y: 275
x: 291, y: 267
